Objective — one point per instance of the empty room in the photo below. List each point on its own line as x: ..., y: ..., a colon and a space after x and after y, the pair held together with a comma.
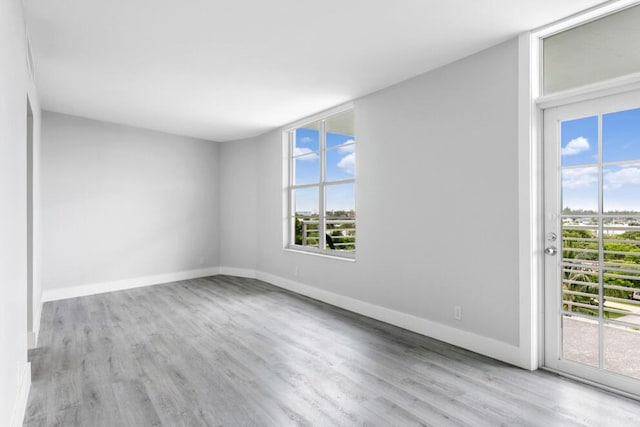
x: 338, y: 213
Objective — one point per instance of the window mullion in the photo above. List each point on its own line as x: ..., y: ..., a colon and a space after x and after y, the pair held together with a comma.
x: 321, y: 190
x: 291, y: 204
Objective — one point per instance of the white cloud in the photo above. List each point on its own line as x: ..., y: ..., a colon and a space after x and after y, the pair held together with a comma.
x: 616, y: 179
x: 581, y: 178
x: 299, y: 151
x: 576, y: 146
x: 348, y: 163
x: 575, y: 179
x: 348, y: 148
x: 306, y: 139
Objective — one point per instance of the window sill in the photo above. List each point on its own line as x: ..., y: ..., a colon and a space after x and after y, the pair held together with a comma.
x: 349, y: 258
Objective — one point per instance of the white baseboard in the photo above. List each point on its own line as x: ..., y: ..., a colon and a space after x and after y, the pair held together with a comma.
x: 119, y: 285
x: 20, y: 407
x: 484, y: 345
x: 469, y: 340
x: 238, y: 272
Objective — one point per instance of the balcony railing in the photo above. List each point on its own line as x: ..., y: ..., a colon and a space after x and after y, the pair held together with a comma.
x: 339, y: 233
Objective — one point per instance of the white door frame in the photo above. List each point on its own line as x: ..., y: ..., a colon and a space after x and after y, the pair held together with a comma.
x: 530, y: 203
x: 30, y: 229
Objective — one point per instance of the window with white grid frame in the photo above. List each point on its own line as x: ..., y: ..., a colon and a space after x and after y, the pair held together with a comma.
x: 321, y: 193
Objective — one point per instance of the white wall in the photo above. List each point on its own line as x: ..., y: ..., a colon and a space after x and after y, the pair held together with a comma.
x: 437, y: 203
x: 14, y: 87
x: 238, y: 233
x: 121, y: 203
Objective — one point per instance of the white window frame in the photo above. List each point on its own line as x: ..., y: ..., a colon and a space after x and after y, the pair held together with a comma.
x: 322, y: 184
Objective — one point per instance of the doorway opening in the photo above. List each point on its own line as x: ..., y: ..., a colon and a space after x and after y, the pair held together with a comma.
x: 588, y: 289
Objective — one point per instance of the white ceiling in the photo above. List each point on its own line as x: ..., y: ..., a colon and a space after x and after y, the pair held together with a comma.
x: 225, y: 70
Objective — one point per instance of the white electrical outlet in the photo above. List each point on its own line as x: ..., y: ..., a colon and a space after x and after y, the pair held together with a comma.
x: 457, y: 312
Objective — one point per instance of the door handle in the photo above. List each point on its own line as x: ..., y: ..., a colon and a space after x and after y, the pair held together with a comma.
x: 551, y: 250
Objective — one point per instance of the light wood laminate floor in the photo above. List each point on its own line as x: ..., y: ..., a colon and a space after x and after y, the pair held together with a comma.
x: 225, y: 351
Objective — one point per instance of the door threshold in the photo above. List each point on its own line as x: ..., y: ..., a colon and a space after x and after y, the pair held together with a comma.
x: 595, y: 384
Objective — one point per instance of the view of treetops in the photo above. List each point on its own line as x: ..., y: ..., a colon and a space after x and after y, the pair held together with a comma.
x: 323, y: 175
x: 601, y: 216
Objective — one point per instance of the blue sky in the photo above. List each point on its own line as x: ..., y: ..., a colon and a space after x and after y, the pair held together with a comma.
x: 620, y: 142
x: 340, y: 164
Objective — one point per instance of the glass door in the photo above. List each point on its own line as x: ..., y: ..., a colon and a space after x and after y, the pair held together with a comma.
x: 592, y: 240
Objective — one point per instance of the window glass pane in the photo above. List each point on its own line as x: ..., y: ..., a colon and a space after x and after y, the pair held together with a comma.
x: 580, y: 191
x: 339, y: 128
x: 621, y: 136
x: 580, y: 248
x: 579, y: 139
x: 307, y: 139
x: 580, y: 340
x: 306, y: 169
x: 340, y: 217
x: 334, y: 139
x: 580, y: 284
x: 340, y: 162
x: 602, y: 49
x: 341, y: 200
x: 622, y: 343
x: 305, y: 203
x: 621, y: 189
x: 580, y: 265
